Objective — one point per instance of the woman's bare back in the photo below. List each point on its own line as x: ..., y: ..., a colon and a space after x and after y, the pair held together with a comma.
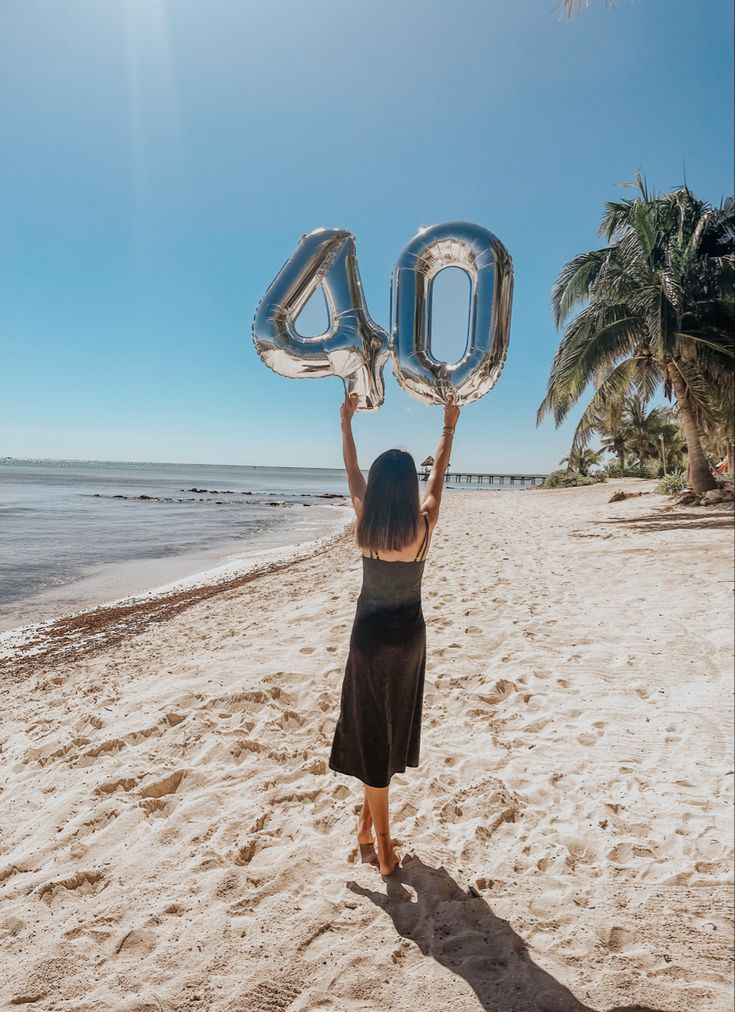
x: 409, y: 552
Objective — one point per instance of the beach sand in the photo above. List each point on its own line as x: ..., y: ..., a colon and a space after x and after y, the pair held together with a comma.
x: 171, y: 837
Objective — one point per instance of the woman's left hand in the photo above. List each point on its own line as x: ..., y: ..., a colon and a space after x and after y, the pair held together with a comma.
x: 348, y: 409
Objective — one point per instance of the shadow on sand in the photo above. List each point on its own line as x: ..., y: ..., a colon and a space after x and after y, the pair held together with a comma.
x: 460, y: 931
x: 676, y: 521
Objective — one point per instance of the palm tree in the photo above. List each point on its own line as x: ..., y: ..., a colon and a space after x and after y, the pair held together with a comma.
x: 658, y: 308
x: 646, y: 431
x: 604, y: 418
x: 671, y: 443
x: 642, y: 429
x: 582, y: 461
x: 618, y: 448
x: 625, y: 426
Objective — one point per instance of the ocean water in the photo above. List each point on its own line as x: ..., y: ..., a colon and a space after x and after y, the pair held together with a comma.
x: 75, y: 533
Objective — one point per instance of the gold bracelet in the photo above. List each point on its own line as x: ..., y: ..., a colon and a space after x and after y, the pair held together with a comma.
x: 448, y: 431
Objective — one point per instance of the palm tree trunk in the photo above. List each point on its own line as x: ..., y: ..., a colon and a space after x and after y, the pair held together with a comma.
x: 702, y: 478
x: 621, y: 461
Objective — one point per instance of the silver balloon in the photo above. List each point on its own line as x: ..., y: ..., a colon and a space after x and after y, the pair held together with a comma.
x: 353, y: 347
x: 488, y: 264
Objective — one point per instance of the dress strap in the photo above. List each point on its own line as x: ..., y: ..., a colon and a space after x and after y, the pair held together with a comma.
x: 425, y: 542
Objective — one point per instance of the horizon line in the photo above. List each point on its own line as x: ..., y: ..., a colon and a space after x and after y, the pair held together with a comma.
x: 192, y: 463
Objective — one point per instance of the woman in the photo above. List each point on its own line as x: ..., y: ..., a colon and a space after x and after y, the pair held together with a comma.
x: 379, y: 727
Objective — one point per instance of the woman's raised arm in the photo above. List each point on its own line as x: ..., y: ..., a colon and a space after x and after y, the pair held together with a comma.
x: 435, y: 484
x: 355, y: 479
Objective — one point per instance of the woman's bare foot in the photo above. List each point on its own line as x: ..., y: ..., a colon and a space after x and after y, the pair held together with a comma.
x: 390, y: 865
x: 388, y: 859
x: 367, y: 854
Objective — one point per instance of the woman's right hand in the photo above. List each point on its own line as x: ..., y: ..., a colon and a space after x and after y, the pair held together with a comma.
x: 348, y: 409
x: 451, y: 414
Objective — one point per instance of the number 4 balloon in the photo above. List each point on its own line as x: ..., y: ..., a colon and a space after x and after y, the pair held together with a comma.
x: 356, y: 348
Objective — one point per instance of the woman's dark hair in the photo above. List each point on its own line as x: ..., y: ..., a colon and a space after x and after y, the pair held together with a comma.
x: 390, y: 512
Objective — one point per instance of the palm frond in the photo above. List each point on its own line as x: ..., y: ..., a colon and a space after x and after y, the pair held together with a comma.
x: 712, y: 345
x: 575, y: 282
x: 595, y: 340
x: 612, y: 389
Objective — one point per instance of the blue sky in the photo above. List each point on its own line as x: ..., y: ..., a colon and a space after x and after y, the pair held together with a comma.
x: 161, y: 159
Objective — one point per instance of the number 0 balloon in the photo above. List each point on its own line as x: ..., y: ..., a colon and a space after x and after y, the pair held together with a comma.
x: 484, y: 258
x: 356, y: 348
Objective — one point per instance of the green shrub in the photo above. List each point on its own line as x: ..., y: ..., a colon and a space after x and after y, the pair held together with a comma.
x: 675, y: 482
x: 570, y: 479
x: 649, y: 470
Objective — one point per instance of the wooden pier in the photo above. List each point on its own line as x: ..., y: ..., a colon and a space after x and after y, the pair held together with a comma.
x: 481, y: 478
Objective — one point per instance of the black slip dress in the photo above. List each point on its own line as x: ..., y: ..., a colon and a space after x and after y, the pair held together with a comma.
x: 378, y: 731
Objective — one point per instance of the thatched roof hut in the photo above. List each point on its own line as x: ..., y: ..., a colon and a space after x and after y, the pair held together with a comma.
x: 429, y: 462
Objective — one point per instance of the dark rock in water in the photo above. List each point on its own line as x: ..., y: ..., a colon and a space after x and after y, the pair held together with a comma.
x: 217, y: 502
x: 211, y: 491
